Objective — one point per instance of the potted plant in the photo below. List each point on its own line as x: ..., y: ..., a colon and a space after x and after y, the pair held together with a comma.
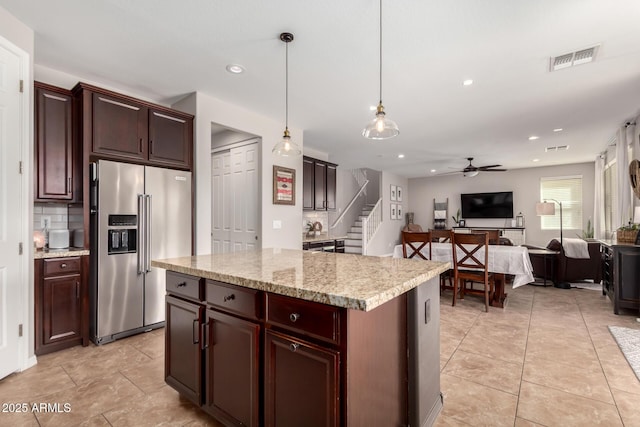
x: 627, y: 233
x: 456, y: 218
x: 588, y: 233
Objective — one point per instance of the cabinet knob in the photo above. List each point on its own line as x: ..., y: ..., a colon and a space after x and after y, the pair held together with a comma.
x: 229, y: 297
x: 294, y: 317
x: 293, y: 347
x: 63, y: 265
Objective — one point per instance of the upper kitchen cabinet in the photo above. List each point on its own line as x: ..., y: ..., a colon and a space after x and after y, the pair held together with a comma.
x: 56, y: 170
x: 119, y: 127
x: 319, y: 184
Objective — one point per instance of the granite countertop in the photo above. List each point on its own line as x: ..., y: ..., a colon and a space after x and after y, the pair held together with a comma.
x: 323, y: 237
x: 59, y: 253
x: 343, y: 280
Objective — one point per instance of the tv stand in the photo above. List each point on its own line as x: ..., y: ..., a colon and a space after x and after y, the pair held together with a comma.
x: 516, y: 234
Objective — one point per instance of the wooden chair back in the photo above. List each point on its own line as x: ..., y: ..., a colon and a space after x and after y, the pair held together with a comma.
x: 494, y: 235
x: 414, y: 242
x: 441, y: 235
x: 470, y: 265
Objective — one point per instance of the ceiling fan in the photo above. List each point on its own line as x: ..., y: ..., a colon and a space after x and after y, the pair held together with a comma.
x: 472, y: 170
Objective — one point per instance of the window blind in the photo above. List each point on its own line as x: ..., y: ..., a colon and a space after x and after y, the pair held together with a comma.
x: 568, y: 191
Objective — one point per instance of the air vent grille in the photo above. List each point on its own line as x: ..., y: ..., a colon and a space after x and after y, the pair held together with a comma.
x: 567, y: 60
x: 557, y: 148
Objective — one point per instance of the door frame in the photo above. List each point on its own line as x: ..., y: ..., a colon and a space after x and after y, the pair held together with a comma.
x: 26, y: 354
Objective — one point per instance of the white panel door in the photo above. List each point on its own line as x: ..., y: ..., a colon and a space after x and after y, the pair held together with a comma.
x: 235, y: 199
x: 220, y: 209
x: 11, y: 201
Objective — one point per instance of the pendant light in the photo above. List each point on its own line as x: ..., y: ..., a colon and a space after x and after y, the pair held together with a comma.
x: 381, y: 127
x: 286, y: 147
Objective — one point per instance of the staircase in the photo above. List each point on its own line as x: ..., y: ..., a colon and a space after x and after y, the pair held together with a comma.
x: 353, y: 243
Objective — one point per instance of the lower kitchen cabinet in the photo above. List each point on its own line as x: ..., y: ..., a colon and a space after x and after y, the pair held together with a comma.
x: 183, y: 355
x: 232, y: 395
x: 301, y: 383
x: 61, y: 309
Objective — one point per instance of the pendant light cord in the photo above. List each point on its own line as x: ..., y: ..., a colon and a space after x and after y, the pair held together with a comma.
x: 380, y: 51
x: 286, y: 87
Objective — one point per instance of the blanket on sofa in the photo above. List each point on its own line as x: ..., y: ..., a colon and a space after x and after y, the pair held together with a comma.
x: 575, y: 248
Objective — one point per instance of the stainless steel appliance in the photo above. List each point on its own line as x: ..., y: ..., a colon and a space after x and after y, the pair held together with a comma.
x: 138, y: 213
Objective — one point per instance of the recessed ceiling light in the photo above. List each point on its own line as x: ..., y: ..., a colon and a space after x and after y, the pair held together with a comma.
x: 533, y: 137
x: 235, y: 69
x: 557, y: 130
x: 536, y: 160
x: 433, y: 170
x: 401, y: 156
x: 467, y: 82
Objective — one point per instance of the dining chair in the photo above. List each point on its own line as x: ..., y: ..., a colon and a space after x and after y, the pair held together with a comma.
x: 470, y: 265
x: 494, y: 235
x: 414, y: 241
x: 440, y: 235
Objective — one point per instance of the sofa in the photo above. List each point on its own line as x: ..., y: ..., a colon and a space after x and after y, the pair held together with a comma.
x: 570, y: 269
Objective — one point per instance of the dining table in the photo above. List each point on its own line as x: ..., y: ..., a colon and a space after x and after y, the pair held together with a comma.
x: 501, y: 260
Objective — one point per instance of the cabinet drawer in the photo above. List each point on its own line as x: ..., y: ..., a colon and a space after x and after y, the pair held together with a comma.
x: 61, y: 265
x: 305, y: 317
x: 185, y: 286
x: 234, y: 299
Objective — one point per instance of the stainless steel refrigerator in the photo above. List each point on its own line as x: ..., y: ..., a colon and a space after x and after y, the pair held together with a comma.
x: 138, y: 213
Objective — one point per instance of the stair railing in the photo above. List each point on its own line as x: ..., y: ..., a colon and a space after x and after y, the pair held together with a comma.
x: 370, y: 225
x: 360, y: 191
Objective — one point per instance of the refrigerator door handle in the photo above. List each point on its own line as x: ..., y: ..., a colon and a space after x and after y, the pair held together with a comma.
x: 147, y: 250
x: 141, y: 228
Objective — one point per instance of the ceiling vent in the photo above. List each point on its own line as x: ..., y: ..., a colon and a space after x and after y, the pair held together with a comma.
x: 579, y: 57
x: 557, y: 148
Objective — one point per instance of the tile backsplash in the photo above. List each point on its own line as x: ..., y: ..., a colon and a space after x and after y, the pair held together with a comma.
x: 61, y: 216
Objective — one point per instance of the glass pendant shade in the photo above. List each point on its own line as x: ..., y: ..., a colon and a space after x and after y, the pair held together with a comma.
x: 381, y: 127
x: 286, y: 147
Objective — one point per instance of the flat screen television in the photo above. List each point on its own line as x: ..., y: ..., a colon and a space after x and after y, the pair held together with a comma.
x: 487, y: 205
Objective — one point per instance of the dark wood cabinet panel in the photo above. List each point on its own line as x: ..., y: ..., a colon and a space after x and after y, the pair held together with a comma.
x: 621, y: 275
x: 169, y: 139
x: 319, y: 184
x: 308, y: 196
x: 301, y: 383
x: 233, y: 395
x: 119, y: 128
x: 61, y: 313
x: 183, y: 355
x: 54, y: 144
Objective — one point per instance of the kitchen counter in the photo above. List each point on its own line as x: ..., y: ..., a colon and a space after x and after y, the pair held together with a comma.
x: 342, y: 280
x: 324, y: 237
x: 59, y: 253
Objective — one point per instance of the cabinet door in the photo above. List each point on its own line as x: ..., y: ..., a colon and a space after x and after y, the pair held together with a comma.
x: 308, y: 186
x: 183, y: 354
x: 119, y: 128
x: 232, y: 393
x: 54, y: 145
x: 301, y: 383
x: 331, y: 187
x: 61, y: 309
x: 320, y: 186
x: 627, y: 276
x: 170, y: 139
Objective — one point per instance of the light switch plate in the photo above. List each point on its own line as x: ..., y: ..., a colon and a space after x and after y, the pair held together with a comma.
x: 277, y: 224
x: 45, y: 222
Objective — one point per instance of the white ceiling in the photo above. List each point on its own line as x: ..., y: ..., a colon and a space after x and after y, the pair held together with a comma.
x: 165, y: 49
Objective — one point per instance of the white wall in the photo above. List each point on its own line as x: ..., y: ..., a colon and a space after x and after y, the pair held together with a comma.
x: 207, y: 110
x: 525, y: 184
x: 388, y: 234
x: 18, y: 34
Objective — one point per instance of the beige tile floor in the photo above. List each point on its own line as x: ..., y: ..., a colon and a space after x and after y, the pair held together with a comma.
x: 547, y: 359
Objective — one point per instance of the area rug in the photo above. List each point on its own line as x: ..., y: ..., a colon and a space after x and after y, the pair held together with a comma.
x: 629, y: 342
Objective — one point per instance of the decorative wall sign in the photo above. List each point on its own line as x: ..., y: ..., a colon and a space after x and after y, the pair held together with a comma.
x: 284, y: 186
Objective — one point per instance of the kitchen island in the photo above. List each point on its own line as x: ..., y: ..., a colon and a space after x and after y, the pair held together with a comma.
x: 290, y: 337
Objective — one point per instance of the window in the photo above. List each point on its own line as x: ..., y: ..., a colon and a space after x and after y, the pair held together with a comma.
x: 568, y: 191
x: 610, y: 197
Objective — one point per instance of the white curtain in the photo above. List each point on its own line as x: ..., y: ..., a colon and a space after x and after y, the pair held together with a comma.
x: 624, y: 187
x: 598, y: 199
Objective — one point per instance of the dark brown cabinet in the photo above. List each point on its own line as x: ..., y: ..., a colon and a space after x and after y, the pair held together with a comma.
x: 301, y: 382
x: 183, y: 355
x: 60, y: 304
x: 119, y: 127
x: 621, y: 275
x: 55, y: 152
x: 319, y: 184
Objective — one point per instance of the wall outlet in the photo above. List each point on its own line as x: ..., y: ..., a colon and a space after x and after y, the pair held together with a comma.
x: 45, y: 222
x: 277, y: 224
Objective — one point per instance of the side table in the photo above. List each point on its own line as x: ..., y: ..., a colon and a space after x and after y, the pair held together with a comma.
x: 544, y: 254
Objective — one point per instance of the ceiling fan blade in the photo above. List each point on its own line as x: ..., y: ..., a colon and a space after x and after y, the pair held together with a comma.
x: 448, y: 173
x: 488, y: 167
x: 493, y: 170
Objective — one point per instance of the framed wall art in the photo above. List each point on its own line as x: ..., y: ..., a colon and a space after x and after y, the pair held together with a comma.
x: 284, y: 186
x: 399, y: 193
x: 394, y: 196
x: 393, y: 215
x: 399, y: 211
